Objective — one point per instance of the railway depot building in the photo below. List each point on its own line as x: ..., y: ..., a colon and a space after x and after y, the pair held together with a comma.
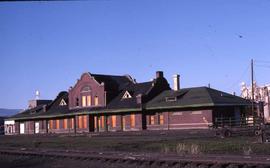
x: 100, y: 103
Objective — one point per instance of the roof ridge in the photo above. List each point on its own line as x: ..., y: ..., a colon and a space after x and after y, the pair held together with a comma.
x: 207, y: 90
x: 92, y: 74
x: 142, y: 83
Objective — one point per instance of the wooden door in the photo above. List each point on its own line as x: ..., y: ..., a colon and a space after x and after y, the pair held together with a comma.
x: 123, y: 123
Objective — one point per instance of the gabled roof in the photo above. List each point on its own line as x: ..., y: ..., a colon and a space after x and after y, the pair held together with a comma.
x: 195, y: 97
x: 50, y: 109
x: 113, y: 82
x: 55, y: 108
x: 29, y: 112
x: 134, y: 90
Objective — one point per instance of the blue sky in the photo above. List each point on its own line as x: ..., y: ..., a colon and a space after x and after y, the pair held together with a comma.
x: 48, y: 45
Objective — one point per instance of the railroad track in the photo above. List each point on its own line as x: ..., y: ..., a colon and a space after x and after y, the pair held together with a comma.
x: 144, y: 160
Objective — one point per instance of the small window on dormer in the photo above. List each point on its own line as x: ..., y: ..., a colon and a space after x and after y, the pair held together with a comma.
x: 63, y: 103
x: 126, y: 95
x: 171, y: 99
x: 33, y: 112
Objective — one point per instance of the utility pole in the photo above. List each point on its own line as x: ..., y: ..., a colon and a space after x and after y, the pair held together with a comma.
x: 252, y: 92
x: 261, y: 121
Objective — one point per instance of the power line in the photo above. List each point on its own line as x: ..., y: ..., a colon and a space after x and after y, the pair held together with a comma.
x: 262, y: 61
x: 263, y: 66
x: 240, y: 79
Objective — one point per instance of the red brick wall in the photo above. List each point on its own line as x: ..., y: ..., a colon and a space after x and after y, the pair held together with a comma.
x: 61, y: 127
x: 96, y: 90
x: 82, y: 130
x: 157, y: 125
x: 138, y: 122
x: 171, y: 120
x: 190, y: 119
x: 181, y: 120
x: 17, y: 127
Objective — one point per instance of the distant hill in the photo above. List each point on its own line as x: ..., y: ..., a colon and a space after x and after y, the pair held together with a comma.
x: 8, y: 112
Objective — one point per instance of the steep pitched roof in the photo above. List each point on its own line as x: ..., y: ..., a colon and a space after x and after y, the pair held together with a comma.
x: 55, y: 108
x: 33, y: 112
x: 113, y: 82
x: 134, y: 90
x: 195, y: 97
x: 51, y: 109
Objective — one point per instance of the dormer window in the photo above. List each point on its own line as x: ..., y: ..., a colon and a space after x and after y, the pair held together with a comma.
x: 171, y: 99
x: 33, y: 112
x: 126, y: 95
x: 63, y: 103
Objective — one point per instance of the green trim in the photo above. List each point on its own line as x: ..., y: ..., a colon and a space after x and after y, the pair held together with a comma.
x: 79, y: 113
x: 187, y: 106
x: 125, y: 110
x: 193, y: 106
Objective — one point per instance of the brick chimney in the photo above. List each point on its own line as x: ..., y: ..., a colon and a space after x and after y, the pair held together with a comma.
x: 139, y: 99
x: 176, y: 82
x: 159, y: 74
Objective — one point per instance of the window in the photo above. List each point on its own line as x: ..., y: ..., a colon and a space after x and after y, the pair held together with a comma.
x: 72, y: 123
x: 160, y: 119
x: 57, y: 124
x: 63, y: 103
x: 85, y: 121
x: 123, y: 122
x: 96, y: 122
x: 80, y: 120
x: 152, y: 120
x: 84, y: 101
x: 89, y: 101
x: 132, y: 120
x: 101, y: 122
x: 86, y: 89
x: 77, y: 102
x: 126, y: 95
x: 171, y: 99
x: 114, y: 121
x: 51, y: 124
x: 65, y: 123
x: 96, y: 100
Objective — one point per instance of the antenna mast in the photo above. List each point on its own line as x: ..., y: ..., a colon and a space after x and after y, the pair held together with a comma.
x: 37, y: 94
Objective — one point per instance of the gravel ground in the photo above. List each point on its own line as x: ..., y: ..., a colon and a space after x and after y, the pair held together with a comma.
x: 7, y: 161
x: 12, y: 161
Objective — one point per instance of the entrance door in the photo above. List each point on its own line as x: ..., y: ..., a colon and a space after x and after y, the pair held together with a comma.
x: 21, y: 128
x: 91, y: 123
x: 36, y: 127
x: 123, y: 123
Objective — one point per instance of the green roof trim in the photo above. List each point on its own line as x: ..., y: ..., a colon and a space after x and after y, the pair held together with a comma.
x: 192, y: 106
x: 77, y: 113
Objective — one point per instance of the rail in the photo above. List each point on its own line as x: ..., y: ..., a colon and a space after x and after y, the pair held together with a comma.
x: 236, y: 123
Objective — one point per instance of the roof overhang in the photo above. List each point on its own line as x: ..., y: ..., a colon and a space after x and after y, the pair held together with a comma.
x: 83, y: 112
x: 195, y: 106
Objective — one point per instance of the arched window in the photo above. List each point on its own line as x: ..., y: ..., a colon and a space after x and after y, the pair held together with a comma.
x: 86, y: 89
